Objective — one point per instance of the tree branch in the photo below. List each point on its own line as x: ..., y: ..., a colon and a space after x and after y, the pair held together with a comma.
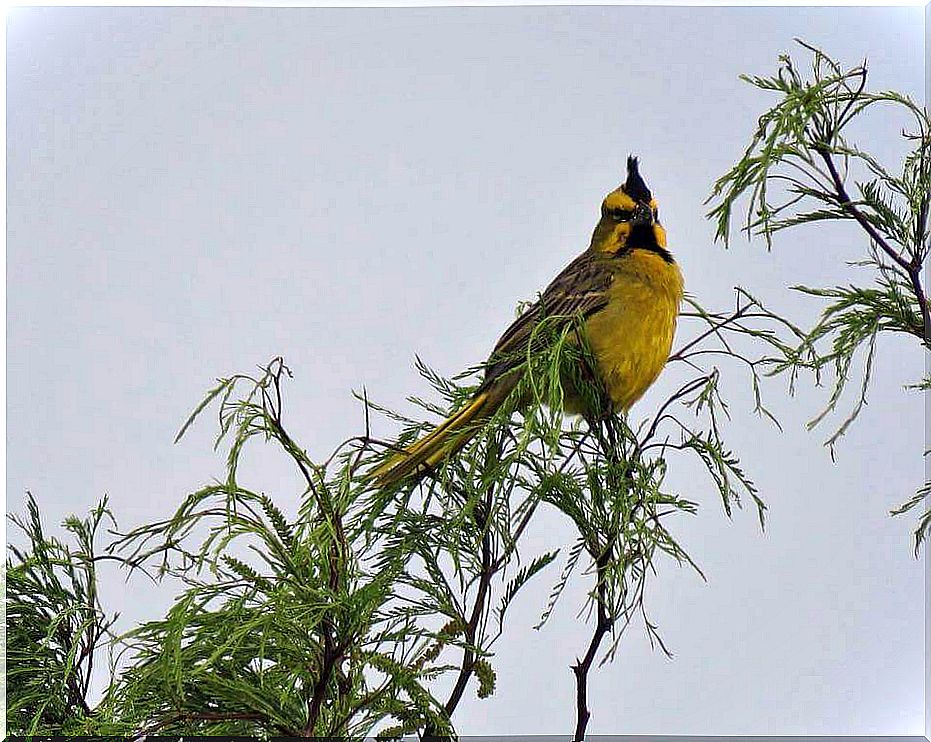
x: 847, y: 204
x: 478, y: 608
x: 911, y: 267
x: 582, y: 667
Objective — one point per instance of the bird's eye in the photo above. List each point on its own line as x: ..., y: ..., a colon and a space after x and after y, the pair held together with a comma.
x: 621, y: 215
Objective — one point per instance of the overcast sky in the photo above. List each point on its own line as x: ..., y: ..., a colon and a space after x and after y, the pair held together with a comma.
x: 193, y: 191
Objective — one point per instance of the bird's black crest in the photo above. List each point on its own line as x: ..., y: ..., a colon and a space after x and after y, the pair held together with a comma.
x: 635, y: 187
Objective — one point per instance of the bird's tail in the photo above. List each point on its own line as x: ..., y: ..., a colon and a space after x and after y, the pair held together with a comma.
x: 430, y: 450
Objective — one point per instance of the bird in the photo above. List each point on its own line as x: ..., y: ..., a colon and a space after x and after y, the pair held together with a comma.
x: 625, y: 289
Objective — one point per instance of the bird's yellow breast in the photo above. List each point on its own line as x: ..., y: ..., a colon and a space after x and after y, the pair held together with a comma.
x: 632, y: 336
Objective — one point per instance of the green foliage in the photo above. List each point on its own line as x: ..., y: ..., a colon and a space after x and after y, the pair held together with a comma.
x: 56, y: 626
x: 339, y: 620
x: 284, y: 628
x: 465, y: 520
x: 796, y: 170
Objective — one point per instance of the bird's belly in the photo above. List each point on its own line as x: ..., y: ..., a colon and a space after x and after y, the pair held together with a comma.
x: 631, y: 338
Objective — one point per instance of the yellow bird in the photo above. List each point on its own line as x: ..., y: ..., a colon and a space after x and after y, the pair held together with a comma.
x: 626, y: 286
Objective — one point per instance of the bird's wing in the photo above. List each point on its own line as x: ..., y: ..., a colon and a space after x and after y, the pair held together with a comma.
x: 579, y: 289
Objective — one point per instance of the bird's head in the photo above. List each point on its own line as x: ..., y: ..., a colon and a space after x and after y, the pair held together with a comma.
x: 629, y: 217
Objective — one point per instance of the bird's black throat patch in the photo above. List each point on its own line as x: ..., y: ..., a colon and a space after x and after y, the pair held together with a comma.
x: 643, y: 237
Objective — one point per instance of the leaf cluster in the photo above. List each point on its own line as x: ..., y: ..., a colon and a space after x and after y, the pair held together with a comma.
x: 55, y: 624
x: 342, y: 618
x: 803, y: 166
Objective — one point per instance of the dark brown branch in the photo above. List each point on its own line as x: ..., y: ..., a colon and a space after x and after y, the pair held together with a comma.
x: 914, y: 276
x: 917, y: 264
x: 847, y: 204
x: 330, y: 658
x: 76, y: 685
x: 582, y: 667
x: 332, y: 654
x: 489, y: 568
x: 911, y: 267
x: 481, y: 598
x: 605, y: 618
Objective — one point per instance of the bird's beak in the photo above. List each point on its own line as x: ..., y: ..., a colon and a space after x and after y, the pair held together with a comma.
x: 643, y: 214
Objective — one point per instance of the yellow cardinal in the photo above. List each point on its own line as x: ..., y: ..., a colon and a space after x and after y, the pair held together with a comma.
x: 626, y: 286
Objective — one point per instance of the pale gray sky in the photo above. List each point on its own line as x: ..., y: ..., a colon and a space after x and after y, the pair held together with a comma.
x: 192, y: 191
